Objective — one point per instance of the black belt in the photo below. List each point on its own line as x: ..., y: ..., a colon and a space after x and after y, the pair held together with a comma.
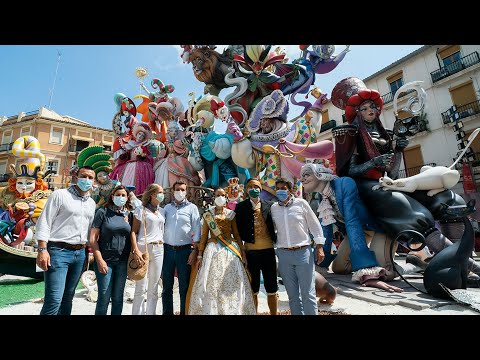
x: 177, y: 247
x: 65, y: 245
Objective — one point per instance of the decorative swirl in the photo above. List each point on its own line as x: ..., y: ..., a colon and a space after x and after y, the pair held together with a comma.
x: 416, y: 103
x: 241, y: 85
x: 306, y: 105
x: 28, y: 147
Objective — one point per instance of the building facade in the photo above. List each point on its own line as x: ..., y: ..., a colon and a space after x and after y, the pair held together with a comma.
x: 61, y: 138
x: 451, y: 80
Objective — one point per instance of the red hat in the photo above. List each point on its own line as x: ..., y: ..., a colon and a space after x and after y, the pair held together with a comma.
x: 348, y: 94
x: 356, y: 100
x: 215, y: 105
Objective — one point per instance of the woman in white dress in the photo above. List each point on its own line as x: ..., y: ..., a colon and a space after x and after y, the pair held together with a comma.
x: 222, y: 284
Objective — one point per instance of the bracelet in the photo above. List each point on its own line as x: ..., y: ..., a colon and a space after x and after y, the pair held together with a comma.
x: 41, y: 249
x: 199, y: 257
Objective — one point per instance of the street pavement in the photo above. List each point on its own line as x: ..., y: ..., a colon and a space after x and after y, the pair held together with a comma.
x: 352, y: 299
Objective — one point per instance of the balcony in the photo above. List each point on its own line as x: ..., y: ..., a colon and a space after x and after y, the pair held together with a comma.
x: 460, y: 112
x: 5, y: 177
x: 6, y: 147
x: 455, y: 67
x: 328, y: 125
x: 389, y: 97
x: 76, y: 148
x: 412, y: 171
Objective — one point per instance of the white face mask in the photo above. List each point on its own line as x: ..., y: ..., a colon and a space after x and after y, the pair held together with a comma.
x: 220, y: 201
x: 160, y: 197
x: 180, y: 195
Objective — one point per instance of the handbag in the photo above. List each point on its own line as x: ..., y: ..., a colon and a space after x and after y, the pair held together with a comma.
x: 136, y: 270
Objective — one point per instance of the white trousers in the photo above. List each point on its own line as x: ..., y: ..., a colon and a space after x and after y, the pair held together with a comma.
x: 154, y: 272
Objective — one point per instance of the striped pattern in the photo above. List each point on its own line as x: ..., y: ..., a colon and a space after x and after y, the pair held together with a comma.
x: 28, y: 147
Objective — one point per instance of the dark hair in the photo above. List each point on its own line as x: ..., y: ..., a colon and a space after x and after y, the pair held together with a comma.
x: 284, y: 181
x: 179, y: 182
x: 128, y: 204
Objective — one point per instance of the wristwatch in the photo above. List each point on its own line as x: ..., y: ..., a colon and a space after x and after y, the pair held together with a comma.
x: 41, y: 249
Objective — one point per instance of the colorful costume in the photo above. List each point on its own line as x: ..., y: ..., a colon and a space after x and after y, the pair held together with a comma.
x: 23, y: 200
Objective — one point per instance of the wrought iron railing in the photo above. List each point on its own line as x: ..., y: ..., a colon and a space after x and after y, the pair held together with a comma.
x: 389, y: 97
x: 412, y: 171
x: 6, y: 147
x: 463, y: 111
x: 328, y: 125
x: 456, y: 66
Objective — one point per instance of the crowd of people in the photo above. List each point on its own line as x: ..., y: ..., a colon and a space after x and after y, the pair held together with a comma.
x: 220, y: 256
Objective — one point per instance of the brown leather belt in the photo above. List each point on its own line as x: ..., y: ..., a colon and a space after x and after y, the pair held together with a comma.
x: 296, y: 248
x: 179, y: 247
x: 155, y: 243
x: 67, y: 245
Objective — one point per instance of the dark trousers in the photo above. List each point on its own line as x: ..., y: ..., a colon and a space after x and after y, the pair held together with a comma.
x: 175, y: 259
x: 264, y: 261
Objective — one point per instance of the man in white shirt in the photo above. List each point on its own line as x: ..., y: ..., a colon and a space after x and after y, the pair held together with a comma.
x: 294, y: 221
x: 62, y: 233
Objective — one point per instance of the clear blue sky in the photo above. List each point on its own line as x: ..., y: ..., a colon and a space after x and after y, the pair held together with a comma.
x: 89, y: 75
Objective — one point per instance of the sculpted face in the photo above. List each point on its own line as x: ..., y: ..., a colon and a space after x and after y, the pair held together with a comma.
x: 223, y: 113
x: 311, y: 183
x: 25, y: 185
x: 204, y: 63
x: 102, y: 177
x: 266, y: 126
x: 368, y: 111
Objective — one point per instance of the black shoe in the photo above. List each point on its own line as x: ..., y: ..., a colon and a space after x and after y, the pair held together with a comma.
x: 415, y: 260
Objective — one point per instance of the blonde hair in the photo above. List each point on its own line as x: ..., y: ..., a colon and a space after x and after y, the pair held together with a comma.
x: 147, y: 194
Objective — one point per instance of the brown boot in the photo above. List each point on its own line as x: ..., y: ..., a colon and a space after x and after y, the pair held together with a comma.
x: 255, y: 301
x: 272, y: 301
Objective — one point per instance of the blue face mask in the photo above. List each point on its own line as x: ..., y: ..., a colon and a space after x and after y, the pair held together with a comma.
x: 119, y: 200
x: 282, y: 195
x: 84, y: 184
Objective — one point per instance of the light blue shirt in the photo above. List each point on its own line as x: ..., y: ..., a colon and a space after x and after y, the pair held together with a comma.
x: 182, y: 223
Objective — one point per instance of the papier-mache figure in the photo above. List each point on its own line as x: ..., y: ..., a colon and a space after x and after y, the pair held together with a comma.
x: 234, y: 192
x: 23, y: 200
x: 100, y: 161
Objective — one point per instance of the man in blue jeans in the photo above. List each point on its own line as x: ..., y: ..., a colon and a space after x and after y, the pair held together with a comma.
x: 294, y: 221
x: 62, y: 234
x: 182, y: 226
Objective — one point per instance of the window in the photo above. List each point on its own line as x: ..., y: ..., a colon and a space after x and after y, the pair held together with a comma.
x: 56, y: 135
x: 395, y: 81
x: 463, y: 94
x: 452, y: 58
x: 3, y: 168
x: 25, y: 131
x: 7, y: 137
x: 53, y: 166
x: 80, y: 145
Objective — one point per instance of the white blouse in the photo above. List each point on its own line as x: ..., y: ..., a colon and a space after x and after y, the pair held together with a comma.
x: 155, y: 225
